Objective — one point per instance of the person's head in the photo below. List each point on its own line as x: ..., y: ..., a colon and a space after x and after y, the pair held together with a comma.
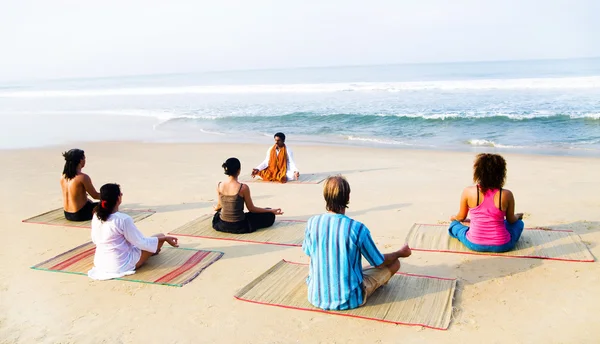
x: 232, y: 167
x: 110, y: 199
x: 279, y: 139
x: 74, y: 161
x: 336, y: 192
x: 489, y: 171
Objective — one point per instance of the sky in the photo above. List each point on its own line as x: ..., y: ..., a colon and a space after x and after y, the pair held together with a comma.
x: 41, y: 39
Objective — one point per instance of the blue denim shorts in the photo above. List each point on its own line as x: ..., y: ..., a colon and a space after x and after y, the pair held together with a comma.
x: 459, y: 231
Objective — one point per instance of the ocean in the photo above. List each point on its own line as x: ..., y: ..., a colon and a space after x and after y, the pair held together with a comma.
x: 533, y: 107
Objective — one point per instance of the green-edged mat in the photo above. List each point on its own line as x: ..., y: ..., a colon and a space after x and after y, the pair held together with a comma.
x: 283, y: 232
x: 56, y: 217
x: 534, y: 243
x: 172, y: 266
x: 406, y: 299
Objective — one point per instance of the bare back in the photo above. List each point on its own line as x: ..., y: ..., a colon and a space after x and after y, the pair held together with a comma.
x: 74, y: 192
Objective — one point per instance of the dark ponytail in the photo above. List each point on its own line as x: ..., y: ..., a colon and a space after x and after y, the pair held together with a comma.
x: 72, y: 160
x: 231, y: 166
x: 109, y: 196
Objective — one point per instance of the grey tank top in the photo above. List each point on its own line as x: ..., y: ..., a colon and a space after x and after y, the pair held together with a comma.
x: 232, y: 207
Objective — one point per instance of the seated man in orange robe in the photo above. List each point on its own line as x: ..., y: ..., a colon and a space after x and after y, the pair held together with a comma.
x: 279, y: 165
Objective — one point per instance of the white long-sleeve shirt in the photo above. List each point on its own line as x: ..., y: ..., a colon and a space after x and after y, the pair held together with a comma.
x: 118, y: 246
x: 291, y: 165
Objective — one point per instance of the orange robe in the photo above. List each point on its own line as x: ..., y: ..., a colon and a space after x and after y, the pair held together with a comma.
x: 277, y: 168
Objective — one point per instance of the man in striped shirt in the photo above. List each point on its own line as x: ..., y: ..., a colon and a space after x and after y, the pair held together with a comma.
x: 334, y: 242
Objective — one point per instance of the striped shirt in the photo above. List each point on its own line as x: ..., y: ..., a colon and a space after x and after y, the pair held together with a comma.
x: 335, y: 243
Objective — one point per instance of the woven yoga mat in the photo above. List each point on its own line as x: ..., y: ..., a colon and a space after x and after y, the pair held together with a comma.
x: 534, y: 243
x: 283, y: 232
x: 56, y: 217
x: 172, y: 266
x: 310, y: 178
x: 407, y: 299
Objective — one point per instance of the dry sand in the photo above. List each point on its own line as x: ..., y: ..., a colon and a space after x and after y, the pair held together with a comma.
x: 498, y: 299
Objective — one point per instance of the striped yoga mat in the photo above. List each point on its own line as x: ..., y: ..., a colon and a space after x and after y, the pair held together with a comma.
x: 56, y: 217
x: 283, y: 232
x: 173, y: 266
x: 406, y: 299
x: 310, y: 178
x: 534, y: 243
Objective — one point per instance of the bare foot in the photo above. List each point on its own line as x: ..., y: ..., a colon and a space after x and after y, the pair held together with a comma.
x: 405, y: 251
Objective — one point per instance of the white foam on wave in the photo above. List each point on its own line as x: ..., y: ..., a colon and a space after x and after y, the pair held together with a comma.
x: 488, y: 143
x: 473, y: 115
x: 378, y: 141
x: 488, y: 84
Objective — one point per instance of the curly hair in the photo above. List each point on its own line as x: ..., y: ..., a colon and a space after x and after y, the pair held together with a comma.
x: 336, y: 192
x: 489, y: 171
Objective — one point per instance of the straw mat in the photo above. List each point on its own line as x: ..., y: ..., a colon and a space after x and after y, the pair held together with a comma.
x: 56, y: 217
x: 283, y: 232
x: 407, y: 299
x: 309, y: 178
x: 173, y: 266
x: 534, y: 243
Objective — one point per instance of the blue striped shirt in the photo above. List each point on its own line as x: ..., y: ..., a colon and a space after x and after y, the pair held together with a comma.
x: 335, y: 244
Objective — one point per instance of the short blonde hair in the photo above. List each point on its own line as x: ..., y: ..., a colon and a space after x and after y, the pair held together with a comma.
x: 336, y: 192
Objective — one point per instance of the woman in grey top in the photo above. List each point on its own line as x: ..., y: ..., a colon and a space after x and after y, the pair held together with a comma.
x: 230, y: 216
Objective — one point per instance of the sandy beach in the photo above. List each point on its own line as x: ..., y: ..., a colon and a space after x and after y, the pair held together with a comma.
x: 498, y: 299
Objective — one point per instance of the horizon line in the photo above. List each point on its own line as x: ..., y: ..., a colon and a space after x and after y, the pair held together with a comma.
x: 217, y: 71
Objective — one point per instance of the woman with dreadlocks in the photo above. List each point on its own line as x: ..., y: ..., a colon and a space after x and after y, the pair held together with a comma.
x: 76, y: 186
x: 120, y: 246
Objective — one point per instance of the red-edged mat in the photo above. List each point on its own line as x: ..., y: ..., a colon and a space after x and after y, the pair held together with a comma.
x: 283, y: 232
x: 56, y: 217
x: 407, y: 299
x: 538, y: 243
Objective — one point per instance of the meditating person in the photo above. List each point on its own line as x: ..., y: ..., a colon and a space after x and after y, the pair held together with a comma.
x: 279, y: 165
x: 335, y: 242
x: 232, y: 195
x: 493, y: 226
x: 75, y: 186
x: 120, y: 246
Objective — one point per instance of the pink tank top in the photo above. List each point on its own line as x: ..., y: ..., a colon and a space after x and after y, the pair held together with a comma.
x: 487, y: 223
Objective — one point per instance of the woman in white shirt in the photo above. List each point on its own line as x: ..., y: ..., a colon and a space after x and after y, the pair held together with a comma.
x: 120, y: 246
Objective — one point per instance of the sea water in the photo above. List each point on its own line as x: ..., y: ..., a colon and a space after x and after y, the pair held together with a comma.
x: 545, y: 107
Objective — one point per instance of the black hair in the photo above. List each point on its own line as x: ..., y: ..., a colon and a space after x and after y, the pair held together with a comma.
x: 72, y: 160
x: 489, y: 171
x: 109, y: 196
x: 231, y: 166
x: 280, y: 135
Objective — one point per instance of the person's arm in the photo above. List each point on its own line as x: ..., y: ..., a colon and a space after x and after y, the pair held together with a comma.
x: 150, y: 244
x: 218, y: 207
x: 306, y: 244
x: 370, y: 251
x: 292, y: 163
x: 464, y: 207
x: 511, y: 217
x: 89, y: 187
x: 245, y: 193
x: 265, y: 162
x: 135, y: 237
